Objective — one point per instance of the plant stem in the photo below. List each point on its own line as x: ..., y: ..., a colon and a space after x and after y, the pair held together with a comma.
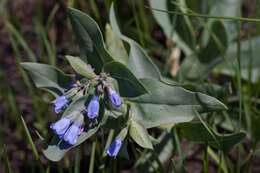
x: 77, y: 161
x: 205, y: 159
x: 92, y: 158
x: 239, y: 83
x: 207, y: 16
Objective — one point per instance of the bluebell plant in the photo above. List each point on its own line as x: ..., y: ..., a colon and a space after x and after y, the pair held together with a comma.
x: 71, y: 126
x: 95, y: 98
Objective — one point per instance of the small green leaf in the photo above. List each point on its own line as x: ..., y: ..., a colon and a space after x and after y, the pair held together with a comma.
x: 129, y: 85
x: 81, y: 67
x: 90, y: 39
x: 198, y: 133
x: 140, y: 135
x: 48, y: 77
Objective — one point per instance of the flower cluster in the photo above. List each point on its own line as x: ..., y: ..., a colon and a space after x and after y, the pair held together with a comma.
x: 70, y: 127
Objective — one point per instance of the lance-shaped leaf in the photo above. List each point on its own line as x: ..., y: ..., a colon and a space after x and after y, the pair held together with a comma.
x: 163, y: 149
x: 140, y: 135
x: 230, y: 8
x: 48, y: 77
x: 176, y: 27
x: 129, y: 85
x: 198, y: 133
x: 81, y: 67
x: 90, y: 39
x: 198, y: 67
x: 116, y: 46
x: 249, y: 57
x: 138, y: 61
x: 165, y: 104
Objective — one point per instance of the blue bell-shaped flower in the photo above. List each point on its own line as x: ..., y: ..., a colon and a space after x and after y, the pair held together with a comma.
x: 93, y: 107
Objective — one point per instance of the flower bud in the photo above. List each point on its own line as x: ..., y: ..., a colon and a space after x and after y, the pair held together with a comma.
x: 114, y: 147
x: 93, y: 108
x: 60, y: 103
x: 114, y: 98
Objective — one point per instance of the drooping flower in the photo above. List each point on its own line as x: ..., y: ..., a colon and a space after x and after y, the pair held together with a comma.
x: 69, y: 128
x: 114, y: 147
x: 93, y: 108
x: 114, y: 98
x: 72, y: 134
x: 61, y: 126
x: 60, y: 103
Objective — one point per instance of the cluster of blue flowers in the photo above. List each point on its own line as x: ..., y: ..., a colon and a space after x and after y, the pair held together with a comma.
x: 70, y: 127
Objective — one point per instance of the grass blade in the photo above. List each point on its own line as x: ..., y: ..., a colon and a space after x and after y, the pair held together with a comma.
x: 29, y: 137
x: 92, y: 158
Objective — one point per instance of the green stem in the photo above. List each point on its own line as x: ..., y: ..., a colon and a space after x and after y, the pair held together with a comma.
x: 92, y: 158
x: 205, y: 159
x: 8, y: 168
x: 77, y: 161
x: 207, y: 16
x: 239, y: 83
x: 137, y: 22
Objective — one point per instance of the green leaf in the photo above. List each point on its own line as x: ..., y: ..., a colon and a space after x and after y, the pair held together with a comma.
x: 165, y: 104
x: 162, y: 152
x: 217, y: 43
x: 116, y: 46
x: 129, y: 86
x: 81, y: 67
x: 198, y: 67
x: 198, y: 133
x: 177, y: 28
x: 89, y: 36
x: 192, y: 70
x: 48, y: 77
x: 229, y: 8
x: 182, y: 24
x: 139, y: 62
x: 140, y: 135
x: 249, y: 56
